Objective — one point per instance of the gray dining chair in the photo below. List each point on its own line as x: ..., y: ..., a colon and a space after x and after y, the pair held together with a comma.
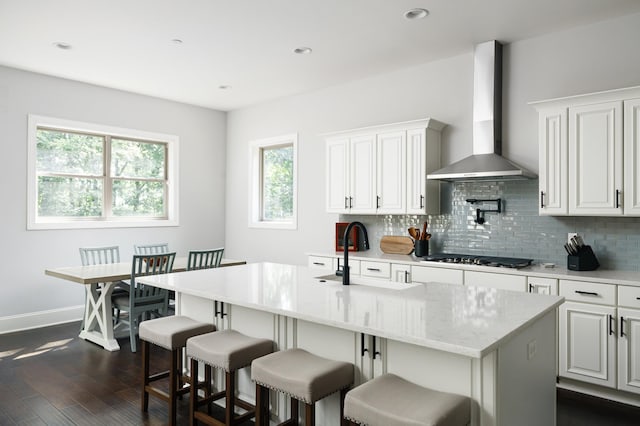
x: 100, y: 256
x: 204, y: 259
x: 151, y: 248
x: 145, y: 301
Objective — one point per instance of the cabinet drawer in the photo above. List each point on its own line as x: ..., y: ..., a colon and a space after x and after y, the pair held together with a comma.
x: 629, y: 296
x: 588, y: 292
x: 375, y: 269
x: 426, y: 274
x: 321, y: 262
x: 499, y: 281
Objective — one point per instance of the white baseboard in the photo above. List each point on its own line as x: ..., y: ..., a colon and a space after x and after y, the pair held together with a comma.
x: 31, y: 320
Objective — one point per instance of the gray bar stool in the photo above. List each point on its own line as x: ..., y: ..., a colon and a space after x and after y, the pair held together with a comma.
x: 389, y: 400
x: 301, y: 375
x: 170, y: 333
x: 230, y: 351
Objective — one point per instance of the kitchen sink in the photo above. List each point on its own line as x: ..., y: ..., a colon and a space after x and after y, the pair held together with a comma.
x: 359, y: 281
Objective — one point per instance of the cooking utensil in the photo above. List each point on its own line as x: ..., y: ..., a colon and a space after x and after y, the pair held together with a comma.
x: 396, y: 244
x: 424, y: 231
x: 414, y: 233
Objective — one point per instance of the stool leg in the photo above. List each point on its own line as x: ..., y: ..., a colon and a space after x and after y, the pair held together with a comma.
x: 181, y: 382
x: 343, y: 394
x: 145, y: 375
x: 295, y: 414
x: 230, y: 377
x: 207, y: 385
x: 193, y: 393
x: 262, y: 406
x: 173, y: 386
x: 310, y: 414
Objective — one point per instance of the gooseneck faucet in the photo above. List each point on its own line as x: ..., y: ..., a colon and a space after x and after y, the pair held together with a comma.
x: 345, y: 266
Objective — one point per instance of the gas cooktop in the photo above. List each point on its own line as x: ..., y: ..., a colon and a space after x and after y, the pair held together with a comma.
x: 472, y: 259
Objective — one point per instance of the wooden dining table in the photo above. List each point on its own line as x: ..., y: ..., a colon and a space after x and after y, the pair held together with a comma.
x: 99, y: 282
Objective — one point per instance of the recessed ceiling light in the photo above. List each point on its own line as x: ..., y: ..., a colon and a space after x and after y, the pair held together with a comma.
x: 417, y: 13
x: 224, y: 87
x: 302, y: 50
x: 62, y: 45
x: 176, y: 41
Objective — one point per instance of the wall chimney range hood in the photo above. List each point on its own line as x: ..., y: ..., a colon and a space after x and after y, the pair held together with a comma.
x: 486, y: 163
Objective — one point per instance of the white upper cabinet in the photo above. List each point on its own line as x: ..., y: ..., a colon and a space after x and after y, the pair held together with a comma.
x: 589, y: 154
x: 631, y: 196
x: 595, y: 159
x: 552, y: 131
x: 363, y: 174
x: 338, y: 175
x: 391, y: 195
x: 383, y: 169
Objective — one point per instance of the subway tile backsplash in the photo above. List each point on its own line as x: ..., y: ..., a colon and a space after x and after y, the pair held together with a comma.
x: 516, y: 232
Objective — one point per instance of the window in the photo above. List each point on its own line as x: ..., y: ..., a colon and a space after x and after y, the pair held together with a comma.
x: 273, y: 177
x: 85, y: 175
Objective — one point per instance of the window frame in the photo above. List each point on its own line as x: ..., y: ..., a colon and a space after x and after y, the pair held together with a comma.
x: 256, y: 182
x: 34, y: 222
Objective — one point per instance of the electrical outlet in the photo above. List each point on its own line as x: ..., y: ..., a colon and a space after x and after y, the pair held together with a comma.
x: 570, y: 235
x: 532, y: 348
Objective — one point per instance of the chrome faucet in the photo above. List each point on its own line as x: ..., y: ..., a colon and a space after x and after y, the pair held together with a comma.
x: 345, y: 267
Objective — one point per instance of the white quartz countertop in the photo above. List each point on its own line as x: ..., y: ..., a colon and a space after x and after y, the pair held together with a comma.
x: 465, y: 320
x: 605, y: 276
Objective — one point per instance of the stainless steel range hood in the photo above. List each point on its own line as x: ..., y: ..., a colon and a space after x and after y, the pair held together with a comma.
x: 486, y: 163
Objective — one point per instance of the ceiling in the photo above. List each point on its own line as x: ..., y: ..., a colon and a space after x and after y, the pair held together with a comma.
x: 248, y: 44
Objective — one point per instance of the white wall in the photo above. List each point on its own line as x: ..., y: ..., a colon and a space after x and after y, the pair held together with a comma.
x: 25, y: 291
x: 585, y: 59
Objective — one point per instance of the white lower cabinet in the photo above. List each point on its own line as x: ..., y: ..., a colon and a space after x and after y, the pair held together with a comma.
x: 427, y: 274
x: 322, y: 262
x: 493, y: 280
x: 541, y: 285
x: 375, y: 269
x: 400, y: 273
x: 599, y: 341
x: 354, y: 265
x: 588, y: 343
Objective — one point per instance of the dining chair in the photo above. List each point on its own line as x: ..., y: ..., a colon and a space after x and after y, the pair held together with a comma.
x: 204, y: 259
x: 143, y: 300
x: 151, y: 248
x: 100, y: 256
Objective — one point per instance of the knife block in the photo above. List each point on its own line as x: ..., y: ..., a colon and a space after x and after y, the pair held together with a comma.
x: 585, y: 260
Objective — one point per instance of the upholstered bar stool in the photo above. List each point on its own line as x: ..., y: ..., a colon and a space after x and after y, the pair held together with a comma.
x: 230, y: 351
x: 301, y: 375
x: 170, y: 333
x: 389, y: 400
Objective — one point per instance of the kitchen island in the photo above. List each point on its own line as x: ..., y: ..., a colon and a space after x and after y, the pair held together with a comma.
x: 497, y: 347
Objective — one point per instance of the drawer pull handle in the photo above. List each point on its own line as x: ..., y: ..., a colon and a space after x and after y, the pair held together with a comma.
x: 542, y: 199
x: 611, y: 321
x: 587, y: 293
x: 318, y: 263
x: 373, y: 269
x: 621, y: 326
x: 375, y: 352
x: 637, y: 298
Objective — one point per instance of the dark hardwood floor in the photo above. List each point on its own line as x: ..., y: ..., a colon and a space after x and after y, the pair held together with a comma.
x: 49, y: 376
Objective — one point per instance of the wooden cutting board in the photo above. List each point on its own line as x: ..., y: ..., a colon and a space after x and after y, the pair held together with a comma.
x: 396, y: 245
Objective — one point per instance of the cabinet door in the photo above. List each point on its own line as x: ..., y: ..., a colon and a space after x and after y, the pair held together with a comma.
x: 362, y: 179
x: 401, y: 273
x: 629, y: 350
x: 337, y: 175
x: 416, y: 171
x: 588, y: 343
x: 595, y: 159
x: 553, y: 165
x: 540, y: 285
x: 391, y: 173
x: 632, y: 157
